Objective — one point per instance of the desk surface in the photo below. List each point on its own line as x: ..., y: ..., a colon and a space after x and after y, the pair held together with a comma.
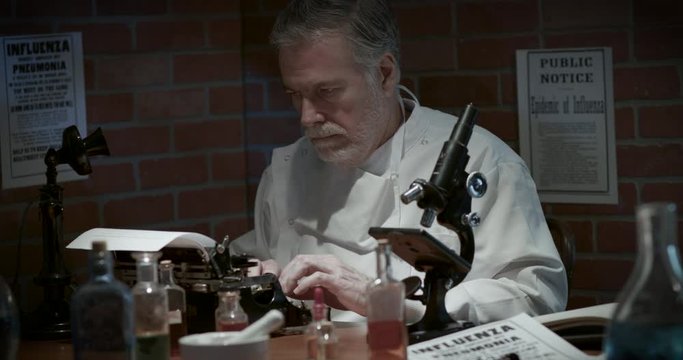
x: 351, y: 340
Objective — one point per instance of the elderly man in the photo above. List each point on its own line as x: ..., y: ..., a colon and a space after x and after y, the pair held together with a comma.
x: 364, y: 144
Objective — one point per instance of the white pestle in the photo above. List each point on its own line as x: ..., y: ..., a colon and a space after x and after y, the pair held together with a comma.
x: 268, y: 323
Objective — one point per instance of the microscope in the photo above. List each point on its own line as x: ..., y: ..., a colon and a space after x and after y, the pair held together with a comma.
x: 446, y: 197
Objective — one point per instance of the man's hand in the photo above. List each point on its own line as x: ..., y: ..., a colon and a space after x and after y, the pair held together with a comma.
x: 345, y: 288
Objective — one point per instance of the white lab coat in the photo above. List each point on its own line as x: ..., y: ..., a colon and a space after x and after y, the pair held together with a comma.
x: 307, y: 206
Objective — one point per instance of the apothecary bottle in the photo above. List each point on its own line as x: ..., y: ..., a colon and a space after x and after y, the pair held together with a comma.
x: 102, y: 323
x: 177, y: 306
x: 387, y: 332
x: 320, y: 335
x: 229, y: 314
x: 151, y: 310
x: 648, y: 320
x: 9, y: 323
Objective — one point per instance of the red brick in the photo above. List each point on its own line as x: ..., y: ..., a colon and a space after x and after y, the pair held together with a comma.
x: 206, y: 67
x: 580, y: 301
x: 228, y: 166
x: 457, y: 90
x: 10, y: 222
x: 109, y: 108
x: 24, y: 28
x: 132, y: 71
x: 31, y: 261
x: 170, y: 104
x: 209, y: 134
x: 660, y: 12
x: 583, y: 235
x: 650, y: 160
x: 486, y: 17
x: 139, y: 140
x: 278, y: 100
x: 509, y: 88
x: 130, y: 7
x: 256, y: 163
x: 169, y: 35
x: 625, y: 124
x: 212, y: 7
x: 616, y: 237
x: 54, y: 8
x: 585, y: 14
x: 226, y: 99
x: 225, y: 33
x: 617, y: 40
x: 254, y: 95
x: 175, y: 171
x: 257, y: 29
x: 138, y: 211
x: 260, y: 63
x: 211, y: 202
x: 659, y: 44
x: 492, y: 52
x: 81, y: 216
x: 105, y: 179
x: 269, y: 5
x: 669, y: 192
x: 411, y: 19
x: 661, y: 121
x: 646, y: 83
x: 601, y: 274
x: 626, y: 204
x: 103, y: 38
x: 200, y: 228
x: 280, y: 130
x: 233, y: 227
x: 22, y: 195
x: 428, y: 54
x: 502, y: 123
x: 5, y: 8
x: 89, y: 73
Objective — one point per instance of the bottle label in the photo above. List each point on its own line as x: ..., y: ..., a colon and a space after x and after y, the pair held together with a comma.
x: 175, y: 317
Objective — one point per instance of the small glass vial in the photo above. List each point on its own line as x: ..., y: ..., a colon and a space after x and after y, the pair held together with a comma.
x: 387, y: 332
x: 9, y: 323
x: 648, y: 320
x: 229, y: 314
x: 177, y: 308
x: 151, y: 310
x: 102, y: 325
x: 320, y: 335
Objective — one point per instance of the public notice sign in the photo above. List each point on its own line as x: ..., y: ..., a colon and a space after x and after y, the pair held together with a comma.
x: 41, y: 94
x: 566, y: 123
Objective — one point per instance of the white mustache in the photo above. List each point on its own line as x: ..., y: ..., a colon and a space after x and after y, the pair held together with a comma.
x: 324, y: 130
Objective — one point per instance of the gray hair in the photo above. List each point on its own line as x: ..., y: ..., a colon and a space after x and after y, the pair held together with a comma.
x: 368, y: 24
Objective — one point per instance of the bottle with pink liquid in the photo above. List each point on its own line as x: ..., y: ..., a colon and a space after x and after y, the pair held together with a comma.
x: 229, y: 314
x: 387, y: 332
x: 321, y: 338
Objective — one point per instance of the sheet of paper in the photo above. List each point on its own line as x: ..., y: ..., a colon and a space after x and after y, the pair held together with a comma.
x: 520, y: 335
x: 140, y: 240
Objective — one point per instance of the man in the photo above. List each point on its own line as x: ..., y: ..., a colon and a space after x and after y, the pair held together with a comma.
x: 362, y: 148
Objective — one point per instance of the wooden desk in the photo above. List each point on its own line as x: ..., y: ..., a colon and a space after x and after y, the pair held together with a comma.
x: 352, y: 346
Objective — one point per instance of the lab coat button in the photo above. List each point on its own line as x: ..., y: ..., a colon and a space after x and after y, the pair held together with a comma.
x: 291, y: 221
x: 424, y: 142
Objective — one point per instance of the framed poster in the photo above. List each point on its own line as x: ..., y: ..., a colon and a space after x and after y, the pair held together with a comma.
x: 42, y: 93
x: 566, y: 123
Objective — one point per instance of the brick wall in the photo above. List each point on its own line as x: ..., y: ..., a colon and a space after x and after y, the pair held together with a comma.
x: 188, y: 95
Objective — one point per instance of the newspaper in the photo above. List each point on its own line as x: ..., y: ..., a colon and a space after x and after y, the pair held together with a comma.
x: 519, y: 337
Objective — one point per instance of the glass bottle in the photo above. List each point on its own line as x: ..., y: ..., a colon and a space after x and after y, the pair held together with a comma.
x: 9, y: 323
x: 387, y: 332
x: 648, y: 320
x: 229, y: 314
x: 102, y: 324
x: 177, y: 308
x: 320, y: 335
x: 151, y: 310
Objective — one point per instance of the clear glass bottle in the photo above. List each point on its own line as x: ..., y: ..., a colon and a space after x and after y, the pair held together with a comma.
x: 102, y: 324
x: 229, y: 314
x: 320, y: 336
x: 151, y: 310
x: 387, y: 332
x: 9, y: 323
x: 177, y: 306
x: 648, y: 320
